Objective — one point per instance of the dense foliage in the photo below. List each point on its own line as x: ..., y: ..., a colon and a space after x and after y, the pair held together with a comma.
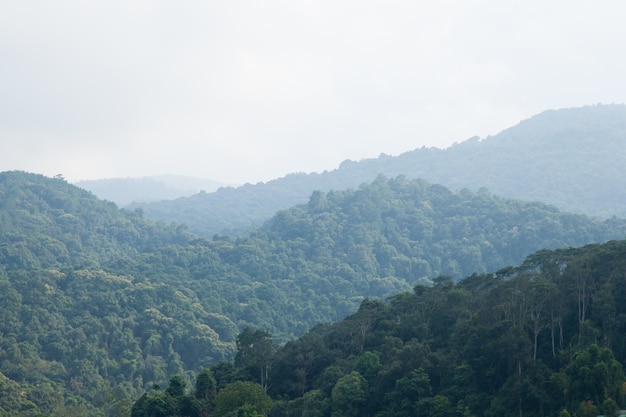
x: 99, y: 305
x: 570, y: 158
x: 547, y: 338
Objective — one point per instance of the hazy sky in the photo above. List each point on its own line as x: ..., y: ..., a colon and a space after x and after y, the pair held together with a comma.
x: 246, y: 91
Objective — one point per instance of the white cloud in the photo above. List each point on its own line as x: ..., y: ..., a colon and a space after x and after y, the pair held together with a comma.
x: 242, y: 91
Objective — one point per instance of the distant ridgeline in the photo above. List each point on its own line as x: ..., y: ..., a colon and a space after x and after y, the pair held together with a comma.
x: 573, y: 159
x: 124, y: 191
x: 98, y: 304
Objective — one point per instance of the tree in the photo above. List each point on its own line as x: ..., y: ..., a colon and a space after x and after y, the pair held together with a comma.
x: 410, y: 394
x: 349, y: 395
x: 594, y: 375
x: 610, y: 408
x: 239, y: 394
x: 189, y: 406
x: 177, y: 386
x: 441, y: 407
x: 170, y: 403
x: 587, y: 409
x: 255, y: 352
x: 206, y: 390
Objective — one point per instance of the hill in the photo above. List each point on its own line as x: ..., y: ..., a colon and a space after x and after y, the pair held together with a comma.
x: 570, y: 158
x: 545, y: 338
x: 124, y: 191
x: 99, y: 304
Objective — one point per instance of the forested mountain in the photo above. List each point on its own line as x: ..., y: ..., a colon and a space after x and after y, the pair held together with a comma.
x: 571, y: 158
x: 546, y: 338
x: 98, y: 304
x: 124, y: 191
x: 48, y: 223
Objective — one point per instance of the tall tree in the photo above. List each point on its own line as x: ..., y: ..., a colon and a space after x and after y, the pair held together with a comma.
x: 255, y: 352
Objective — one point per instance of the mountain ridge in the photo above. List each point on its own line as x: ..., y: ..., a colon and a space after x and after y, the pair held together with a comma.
x: 124, y: 191
x: 99, y: 304
x: 533, y: 161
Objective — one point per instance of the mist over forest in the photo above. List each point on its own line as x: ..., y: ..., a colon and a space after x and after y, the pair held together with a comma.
x: 484, y: 279
x: 570, y: 158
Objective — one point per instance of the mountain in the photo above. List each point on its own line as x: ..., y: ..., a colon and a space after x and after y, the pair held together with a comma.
x: 545, y: 338
x: 570, y: 158
x: 99, y: 304
x: 124, y: 191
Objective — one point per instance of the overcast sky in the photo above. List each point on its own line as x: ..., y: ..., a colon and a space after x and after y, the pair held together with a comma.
x: 250, y: 90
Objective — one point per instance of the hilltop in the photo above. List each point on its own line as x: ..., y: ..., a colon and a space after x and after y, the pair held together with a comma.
x: 570, y: 158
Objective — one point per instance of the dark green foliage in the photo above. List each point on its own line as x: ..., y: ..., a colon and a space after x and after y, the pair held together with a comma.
x: 571, y: 158
x: 172, y: 402
x: 255, y: 352
x: 594, y: 375
x: 515, y: 343
x: 206, y: 387
x: 349, y: 396
x: 100, y: 305
x: 246, y: 396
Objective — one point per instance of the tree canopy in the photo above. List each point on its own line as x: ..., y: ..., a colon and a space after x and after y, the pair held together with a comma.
x: 510, y: 343
x: 100, y: 305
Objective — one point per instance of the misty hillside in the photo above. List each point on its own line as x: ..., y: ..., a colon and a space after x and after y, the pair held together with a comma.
x: 546, y: 338
x: 124, y: 191
x: 99, y: 304
x: 573, y: 159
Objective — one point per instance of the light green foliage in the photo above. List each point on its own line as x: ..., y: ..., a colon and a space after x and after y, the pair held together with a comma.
x: 349, y: 395
x: 594, y: 375
x: 368, y: 366
x: 249, y: 395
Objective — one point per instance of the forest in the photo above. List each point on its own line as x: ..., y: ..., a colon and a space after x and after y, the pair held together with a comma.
x: 102, y: 307
x: 546, y: 338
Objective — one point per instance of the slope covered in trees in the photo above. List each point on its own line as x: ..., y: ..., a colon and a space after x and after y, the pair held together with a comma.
x: 546, y: 338
x: 100, y: 304
x: 570, y: 158
x: 48, y: 223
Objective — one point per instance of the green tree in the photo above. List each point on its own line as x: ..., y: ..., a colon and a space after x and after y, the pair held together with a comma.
x: 238, y: 394
x: 610, y: 408
x: 349, y: 395
x: 189, y: 406
x: 587, y: 409
x: 255, y: 352
x: 594, y: 375
x: 206, y: 390
x: 177, y: 386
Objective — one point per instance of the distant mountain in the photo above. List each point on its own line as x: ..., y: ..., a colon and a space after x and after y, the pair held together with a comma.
x: 123, y: 191
x: 573, y: 159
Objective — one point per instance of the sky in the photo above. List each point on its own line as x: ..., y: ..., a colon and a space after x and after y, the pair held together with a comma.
x: 244, y: 91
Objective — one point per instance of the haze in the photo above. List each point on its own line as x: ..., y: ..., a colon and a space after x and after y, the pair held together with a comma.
x: 247, y: 91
